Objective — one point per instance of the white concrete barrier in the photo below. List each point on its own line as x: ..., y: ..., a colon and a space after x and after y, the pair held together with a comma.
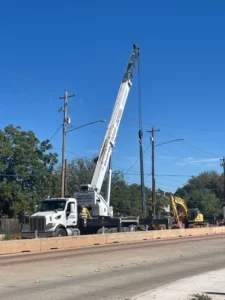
x: 37, y: 245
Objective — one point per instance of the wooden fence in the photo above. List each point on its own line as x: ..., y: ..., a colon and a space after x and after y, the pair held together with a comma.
x: 9, y: 226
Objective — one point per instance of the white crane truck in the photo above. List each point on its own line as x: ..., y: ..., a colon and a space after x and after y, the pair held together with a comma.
x: 88, y: 212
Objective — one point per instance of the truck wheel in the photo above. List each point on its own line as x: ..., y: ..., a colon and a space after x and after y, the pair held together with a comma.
x: 132, y: 228
x: 60, y: 232
x: 106, y: 230
x: 125, y: 229
x: 113, y: 230
x: 99, y: 231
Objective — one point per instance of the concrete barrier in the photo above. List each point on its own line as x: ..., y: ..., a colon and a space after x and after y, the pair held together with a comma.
x: 162, y: 234
x: 43, y: 244
x: 10, y: 247
x: 73, y: 242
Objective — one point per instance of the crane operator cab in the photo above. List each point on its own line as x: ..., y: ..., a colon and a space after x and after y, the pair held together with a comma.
x: 85, y: 197
x: 84, y: 188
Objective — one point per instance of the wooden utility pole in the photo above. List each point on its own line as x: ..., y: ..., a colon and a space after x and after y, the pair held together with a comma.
x: 152, y: 139
x: 66, y: 179
x: 223, y: 165
x: 143, y: 197
x: 65, y: 122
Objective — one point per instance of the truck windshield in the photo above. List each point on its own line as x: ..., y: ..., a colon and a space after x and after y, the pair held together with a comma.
x: 51, y: 205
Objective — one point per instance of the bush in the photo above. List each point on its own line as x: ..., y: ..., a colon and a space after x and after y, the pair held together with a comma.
x: 200, y: 297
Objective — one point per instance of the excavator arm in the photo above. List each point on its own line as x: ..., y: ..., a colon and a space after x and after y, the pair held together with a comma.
x: 182, y: 204
x: 190, y: 217
x: 174, y: 208
x: 180, y: 211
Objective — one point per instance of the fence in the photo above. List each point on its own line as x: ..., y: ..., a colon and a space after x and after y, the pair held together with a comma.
x: 9, y: 226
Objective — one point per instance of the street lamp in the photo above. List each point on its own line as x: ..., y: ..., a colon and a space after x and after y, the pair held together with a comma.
x: 64, y: 161
x: 153, y: 167
x: 176, y: 140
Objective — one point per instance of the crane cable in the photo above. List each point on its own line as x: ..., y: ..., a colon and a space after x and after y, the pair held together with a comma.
x: 140, y: 133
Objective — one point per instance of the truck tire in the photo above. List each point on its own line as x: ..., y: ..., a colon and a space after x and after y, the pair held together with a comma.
x: 125, y: 229
x: 99, y: 231
x: 60, y: 232
x: 106, y: 230
x: 132, y: 228
x: 113, y: 230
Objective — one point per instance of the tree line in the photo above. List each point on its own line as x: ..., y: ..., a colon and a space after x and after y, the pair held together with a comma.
x: 206, y: 192
x: 30, y: 171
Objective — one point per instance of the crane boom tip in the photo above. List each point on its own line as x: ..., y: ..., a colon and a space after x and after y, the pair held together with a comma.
x: 136, y: 48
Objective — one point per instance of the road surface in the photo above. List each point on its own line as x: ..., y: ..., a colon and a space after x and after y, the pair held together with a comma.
x: 118, y: 271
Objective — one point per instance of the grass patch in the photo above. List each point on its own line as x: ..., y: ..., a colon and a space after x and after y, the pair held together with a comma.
x: 200, y: 297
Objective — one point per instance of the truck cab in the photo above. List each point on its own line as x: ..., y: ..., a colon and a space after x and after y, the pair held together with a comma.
x: 56, y: 217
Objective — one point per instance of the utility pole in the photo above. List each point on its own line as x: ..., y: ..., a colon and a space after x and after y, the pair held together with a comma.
x: 65, y: 122
x: 143, y: 198
x: 223, y: 165
x: 66, y: 179
x: 152, y: 139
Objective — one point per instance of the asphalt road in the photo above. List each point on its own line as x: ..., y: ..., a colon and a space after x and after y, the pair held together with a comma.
x: 118, y: 271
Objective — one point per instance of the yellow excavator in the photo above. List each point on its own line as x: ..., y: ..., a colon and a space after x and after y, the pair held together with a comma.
x: 184, y: 217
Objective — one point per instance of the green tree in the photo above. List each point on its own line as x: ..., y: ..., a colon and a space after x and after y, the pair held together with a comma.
x: 205, y: 201
x: 118, y: 196
x: 162, y: 201
x: 205, y: 192
x: 26, y: 171
x: 80, y: 171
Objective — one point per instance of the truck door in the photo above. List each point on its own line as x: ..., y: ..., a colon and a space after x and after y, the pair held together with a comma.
x: 71, y: 214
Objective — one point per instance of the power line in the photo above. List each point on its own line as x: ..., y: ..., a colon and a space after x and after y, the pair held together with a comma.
x: 40, y: 82
x: 175, y: 175
x: 136, y: 160
x: 188, y: 144
x: 128, y: 171
x: 55, y: 132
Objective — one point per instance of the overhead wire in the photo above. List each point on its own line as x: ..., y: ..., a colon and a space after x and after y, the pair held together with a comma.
x: 188, y: 144
x: 127, y: 118
x: 137, y: 160
x: 131, y: 119
x: 43, y: 83
x: 57, y: 130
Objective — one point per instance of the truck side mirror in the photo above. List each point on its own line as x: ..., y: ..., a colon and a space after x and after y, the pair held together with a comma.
x: 72, y: 208
x: 36, y: 209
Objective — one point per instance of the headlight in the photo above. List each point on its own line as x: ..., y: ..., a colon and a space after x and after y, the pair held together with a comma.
x: 50, y: 225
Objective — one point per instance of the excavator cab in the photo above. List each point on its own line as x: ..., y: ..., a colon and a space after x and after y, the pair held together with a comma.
x: 190, y: 218
x: 195, y: 216
x: 193, y: 213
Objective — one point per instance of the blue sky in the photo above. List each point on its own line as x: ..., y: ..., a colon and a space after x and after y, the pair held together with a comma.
x: 84, y: 46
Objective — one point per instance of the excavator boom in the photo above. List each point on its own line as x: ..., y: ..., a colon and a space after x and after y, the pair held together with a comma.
x: 190, y: 217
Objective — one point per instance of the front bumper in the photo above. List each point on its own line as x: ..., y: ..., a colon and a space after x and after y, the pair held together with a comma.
x: 31, y: 235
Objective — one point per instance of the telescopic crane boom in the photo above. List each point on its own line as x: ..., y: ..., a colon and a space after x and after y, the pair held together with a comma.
x: 89, y: 195
x: 111, y: 133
